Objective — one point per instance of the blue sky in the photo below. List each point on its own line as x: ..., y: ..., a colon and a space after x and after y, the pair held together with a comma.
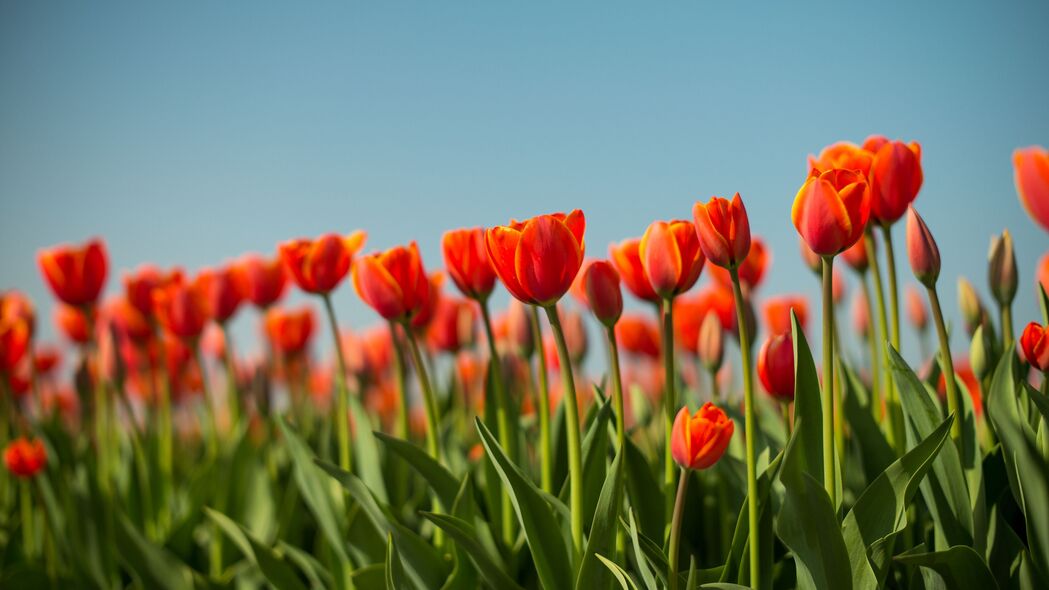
x: 193, y: 132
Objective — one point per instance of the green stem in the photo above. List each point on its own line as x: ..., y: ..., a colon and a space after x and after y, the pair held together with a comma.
x: 403, y: 420
x: 669, y: 398
x: 715, y: 389
x: 953, y: 405
x: 675, y: 529
x: 165, y: 436
x: 575, y: 460
x: 872, y: 345
x: 101, y: 417
x: 894, y: 295
x: 750, y: 427
x: 1006, y: 313
x: 209, y: 405
x: 429, y: 401
x: 507, y: 437
x: 231, y: 378
x: 788, y: 424
x: 28, y: 535
x: 828, y: 378
x: 617, y: 387
x: 545, y: 448
x: 342, y: 394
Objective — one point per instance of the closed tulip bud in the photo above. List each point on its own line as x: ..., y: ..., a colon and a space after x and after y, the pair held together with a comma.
x: 895, y: 178
x: 260, y: 280
x: 671, y: 257
x: 466, y: 258
x: 626, y: 257
x: 393, y: 283
x: 1035, y: 345
x: 983, y: 351
x: 1001, y: 269
x: 776, y: 366
x: 711, y: 347
x: 699, y: 440
x: 538, y: 259
x: 831, y: 210
x: 922, y: 250
x: 1031, y: 170
x: 25, y: 458
x: 856, y: 256
x: 318, y: 266
x: 973, y: 312
x: 76, y: 274
x: 861, y: 317
x: 601, y: 283
x: 916, y: 311
x: 723, y: 230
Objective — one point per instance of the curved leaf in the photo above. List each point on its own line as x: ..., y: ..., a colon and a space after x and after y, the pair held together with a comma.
x: 440, y: 479
x: 276, y: 570
x: 603, y: 530
x: 961, y: 567
x: 465, y: 536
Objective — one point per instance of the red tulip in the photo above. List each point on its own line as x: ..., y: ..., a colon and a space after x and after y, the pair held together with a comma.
x: 671, y: 257
x: 140, y: 285
x: 916, y: 311
x: 514, y: 329
x: 710, y: 347
x: 638, y: 335
x: 699, y: 440
x: 1031, y: 169
x: 856, y: 256
x: 1042, y: 274
x: 223, y: 295
x: 14, y: 342
x: 601, y: 283
x: 922, y: 250
x: 318, y: 266
x: 844, y: 155
x: 182, y: 307
x: 1035, y: 344
x: 626, y: 257
x: 895, y: 178
x: 393, y: 283
x: 777, y: 313
x: 831, y: 210
x: 751, y: 270
x: 260, y: 280
x: 776, y: 366
x: 289, y: 331
x: 575, y: 339
x: 73, y: 322
x: 538, y: 259
x: 861, y: 318
x: 723, y: 230
x: 25, y: 458
x: 810, y: 258
x: 75, y: 274
x: 424, y: 316
x: 690, y: 311
x: 466, y: 258
x: 454, y: 324
x: 14, y: 305
x: 46, y: 358
x: 129, y: 320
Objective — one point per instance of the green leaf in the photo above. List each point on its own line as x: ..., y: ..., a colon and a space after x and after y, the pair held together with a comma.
x: 366, y: 454
x: 541, y: 529
x: 880, y: 513
x: 644, y: 491
x: 875, y: 450
x: 808, y: 406
x: 603, y: 530
x: 624, y: 579
x: 370, y: 576
x: 395, y: 578
x: 318, y: 576
x: 440, y: 479
x: 639, y: 555
x: 734, y: 563
x: 595, y: 456
x: 464, y: 534
x: 152, y: 565
x: 276, y: 570
x: 960, y: 566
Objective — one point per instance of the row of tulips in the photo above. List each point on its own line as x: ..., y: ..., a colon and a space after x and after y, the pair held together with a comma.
x: 454, y: 447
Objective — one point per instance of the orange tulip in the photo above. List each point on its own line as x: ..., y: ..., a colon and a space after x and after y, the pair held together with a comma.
x: 861, y: 318
x: 601, y: 283
x: 626, y: 257
x: 46, y: 358
x: 514, y: 330
x: 140, y: 285
x: 710, y: 347
x: 776, y: 366
x: 538, y: 259
x: 1035, y: 344
x: 777, y: 313
x: 289, y: 331
x: 129, y: 321
x: 723, y: 230
x: 576, y: 340
x: 318, y: 266
x: 14, y: 305
x: 751, y: 270
x: 810, y: 258
x: 223, y: 295
x: 638, y: 335
x: 75, y: 274
x: 831, y: 210
x: 73, y: 322
x: 25, y: 458
x: 260, y: 280
x: 895, y: 179
x: 922, y: 250
x: 454, y: 324
x: 671, y: 257
x: 182, y: 307
x: 14, y: 342
x: 699, y: 440
x: 856, y: 256
x: 1042, y: 274
x: 393, y: 283
x: 916, y: 311
x: 844, y: 155
x: 1031, y: 170
x: 466, y: 258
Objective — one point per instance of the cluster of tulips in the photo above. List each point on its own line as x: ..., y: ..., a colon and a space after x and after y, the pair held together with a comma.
x: 435, y: 450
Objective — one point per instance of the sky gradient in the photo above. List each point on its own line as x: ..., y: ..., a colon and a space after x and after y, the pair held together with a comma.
x: 194, y: 132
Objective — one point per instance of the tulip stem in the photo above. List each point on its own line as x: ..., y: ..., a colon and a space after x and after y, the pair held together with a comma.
x: 953, y: 405
x: 828, y: 378
x: 872, y: 346
x: 675, y: 529
x: 575, y: 461
x: 1006, y: 313
x: 231, y: 377
x: 92, y: 360
x: 715, y: 389
x: 788, y: 424
x: 403, y: 426
x: 669, y: 401
x: 28, y: 534
x: 545, y: 448
x: 894, y: 296
x: 429, y: 401
x: 750, y: 426
x: 209, y: 406
x: 507, y: 438
x: 342, y: 394
x: 617, y: 387
x: 165, y: 436
x: 894, y: 431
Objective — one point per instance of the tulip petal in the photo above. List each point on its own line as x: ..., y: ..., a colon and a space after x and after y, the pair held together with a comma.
x: 820, y: 217
x: 502, y: 243
x: 661, y: 258
x: 1031, y: 173
x: 547, y: 259
x: 378, y: 288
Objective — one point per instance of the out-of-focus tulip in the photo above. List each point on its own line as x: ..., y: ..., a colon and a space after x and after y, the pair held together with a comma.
x: 711, y: 347
x: 922, y: 250
x: 626, y: 257
x: 454, y: 324
x: 1042, y: 274
x: 776, y: 366
x: 856, y: 256
x: 223, y: 295
x: 837, y: 285
x: 973, y: 312
x: 393, y: 283
x: 671, y: 257
x: 810, y: 258
x: 1001, y: 269
x: 181, y: 307
x: 14, y: 305
x: 466, y: 258
x: 916, y: 310
x: 964, y: 372
x: 1031, y: 170
x: 73, y: 323
x: 514, y: 329
x: 76, y: 274
x: 422, y: 318
x: 845, y: 155
x: 751, y: 270
x: 831, y: 210
x: 861, y: 318
x: 1035, y: 345
x: 983, y: 352
x: 777, y: 313
x: 538, y: 259
x: 698, y: 440
x: 129, y: 321
x: 319, y: 265
x: 289, y: 330
x: 140, y: 284
x: 14, y: 341
x: 603, y: 296
x: 638, y: 334
x: 895, y: 178
x: 260, y: 280
x: 24, y: 457
x: 723, y: 230
x: 575, y: 339
x: 46, y: 358
x: 213, y: 342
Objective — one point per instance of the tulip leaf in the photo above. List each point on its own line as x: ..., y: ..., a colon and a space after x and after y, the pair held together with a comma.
x: 154, y: 566
x: 440, y: 479
x: 541, y: 529
x: 644, y: 491
x: 464, y: 573
x: 735, y: 567
x: 318, y: 576
x: 880, y: 513
x: 808, y: 405
x: 366, y: 454
x: 395, y: 578
x: 464, y: 534
x: 278, y: 572
x: 595, y: 452
x: 960, y: 566
x: 624, y: 579
x: 639, y: 556
x: 875, y: 451
x: 603, y: 529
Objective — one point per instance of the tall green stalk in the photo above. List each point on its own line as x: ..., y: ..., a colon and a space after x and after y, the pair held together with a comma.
x: 1006, y: 316
x: 575, y: 455
x: 953, y: 404
x: 231, y: 377
x: 894, y: 295
x: 675, y: 529
x: 342, y: 393
x: 828, y: 379
x: 507, y: 437
x: 669, y: 398
x: 546, y: 453
x: 750, y: 427
x: 617, y: 387
x: 895, y: 431
x: 873, y: 349
x: 429, y: 400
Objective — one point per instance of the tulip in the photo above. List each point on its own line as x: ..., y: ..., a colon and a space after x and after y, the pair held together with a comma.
x: 922, y: 250
x: 14, y: 305
x: 1035, y: 345
x: 516, y: 329
x: 973, y: 313
x: 14, y: 342
x: 24, y: 458
x: 318, y: 266
x: 182, y: 307
x: 698, y: 441
x: 861, y: 317
x: 75, y: 274
x: 626, y: 257
x: 831, y: 210
x: 983, y: 352
x: 1031, y: 170
x: 638, y: 335
x: 260, y: 280
x: 776, y: 366
x: 466, y: 258
x: 1042, y: 274
x: 777, y: 313
x: 671, y: 257
x: 723, y: 230
x: 1002, y: 277
x: 422, y: 318
x: 46, y: 358
x: 751, y: 270
x: 856, y: 256
x: 129, y: 321
x: 810, y: 258
x: 603, y: 296
x: 895, y: 179
x: 289, y: 331
x: 452, y: 327
x: 74, y: 323
x: 844, y: 155
x: 916, y: 309
x: 711, y: 349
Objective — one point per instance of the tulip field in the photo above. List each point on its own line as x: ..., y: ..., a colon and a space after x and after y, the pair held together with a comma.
x: 724, y: 440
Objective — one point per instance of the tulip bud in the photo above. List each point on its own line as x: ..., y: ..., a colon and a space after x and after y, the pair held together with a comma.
x: 916, y: 311
x: 603, y: 295
x: 24, y: 458
x: 973, y: 313
x: 1001, y: 270
x: 711, y: 347
x: 698, y: 441
x: 776, y: 367
x: 922, y: 250
x: 983, y: 351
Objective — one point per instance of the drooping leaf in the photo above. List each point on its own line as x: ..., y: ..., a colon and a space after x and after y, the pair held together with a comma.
x: 440, y: 479
x: 464, y: 534
x: 274, y: 567
x: 960, y: 566
x: 639, y: 556
x: 154, y: 566
x: 395, y: 578
x: 624, y: 579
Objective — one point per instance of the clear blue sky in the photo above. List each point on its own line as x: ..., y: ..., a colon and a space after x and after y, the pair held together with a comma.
x: 192, y: 132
